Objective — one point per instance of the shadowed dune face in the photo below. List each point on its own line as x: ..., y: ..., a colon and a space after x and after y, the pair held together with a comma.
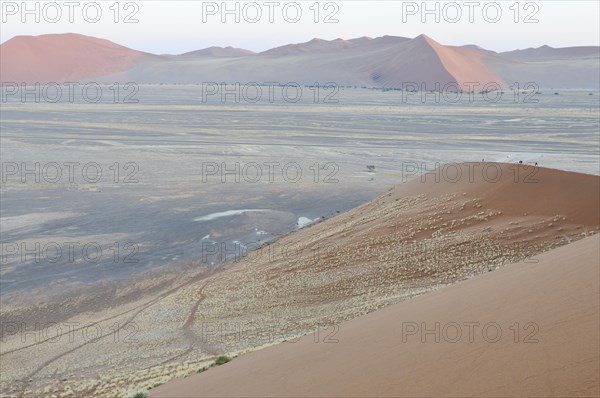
x: 548, y: 344
x: 64, y: 58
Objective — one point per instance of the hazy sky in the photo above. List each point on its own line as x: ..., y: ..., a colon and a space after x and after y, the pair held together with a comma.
x: 180, y: 26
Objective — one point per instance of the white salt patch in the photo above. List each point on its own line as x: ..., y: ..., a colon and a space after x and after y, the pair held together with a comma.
x: 303, y: 221
x: 229, y: 213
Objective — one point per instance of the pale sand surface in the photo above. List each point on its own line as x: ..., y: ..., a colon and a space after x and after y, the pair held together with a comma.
x: 559, y: 294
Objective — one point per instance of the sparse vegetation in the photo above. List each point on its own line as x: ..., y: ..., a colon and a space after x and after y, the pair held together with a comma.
x: 219, y: 361
x: 222, y: 360
x: 137, y: 394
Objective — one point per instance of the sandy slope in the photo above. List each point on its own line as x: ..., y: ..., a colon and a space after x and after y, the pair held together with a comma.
x: 466, y: 66
x: 556, y: 352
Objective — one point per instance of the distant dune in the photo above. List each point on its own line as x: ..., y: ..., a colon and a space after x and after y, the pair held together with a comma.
x: 388, y: 61
x: 64, y: 58
x: 546, y: 53
x: 225, y: 52
x: 314, y: 46
x: 552, y: 303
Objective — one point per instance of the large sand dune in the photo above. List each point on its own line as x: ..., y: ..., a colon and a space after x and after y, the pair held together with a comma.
x: 59, y: 58
x: 554, y: 301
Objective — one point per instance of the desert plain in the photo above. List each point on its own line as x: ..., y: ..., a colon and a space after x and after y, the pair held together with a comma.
x: 305, y: 265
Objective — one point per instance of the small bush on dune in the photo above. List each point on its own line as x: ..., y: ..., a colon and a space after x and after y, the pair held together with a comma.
x: 222, y: 359
x: 137, y: 394
x: 219, y: 361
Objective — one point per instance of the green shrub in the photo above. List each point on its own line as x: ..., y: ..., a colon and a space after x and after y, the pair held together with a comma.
x: 222, y: 359
x: 137, y: 394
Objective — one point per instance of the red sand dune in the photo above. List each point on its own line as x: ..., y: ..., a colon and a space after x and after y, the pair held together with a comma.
x: 556, y: 352
x: 422, y: 60
x: 63, y: 58
x: 465, y: 65
x: 516, y: 189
